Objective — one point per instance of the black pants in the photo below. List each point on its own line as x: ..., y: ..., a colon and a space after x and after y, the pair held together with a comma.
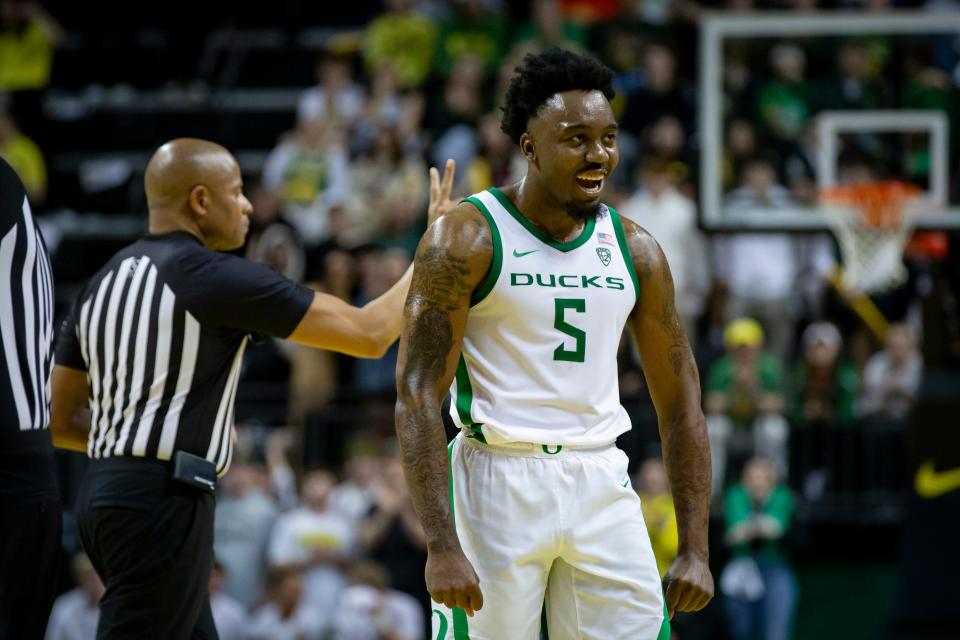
x: 30, y: 534
x: 151, y: 540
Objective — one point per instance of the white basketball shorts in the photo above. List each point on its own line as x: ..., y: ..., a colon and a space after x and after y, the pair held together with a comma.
x: 557, y: 538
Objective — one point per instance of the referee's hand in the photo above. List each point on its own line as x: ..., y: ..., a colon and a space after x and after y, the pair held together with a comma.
x: 452, y: 581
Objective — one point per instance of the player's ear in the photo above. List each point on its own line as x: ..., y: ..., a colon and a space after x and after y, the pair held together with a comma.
x: 527, y: 148
x: 199, y: 199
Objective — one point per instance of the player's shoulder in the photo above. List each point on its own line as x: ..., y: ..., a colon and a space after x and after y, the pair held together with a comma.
x: 643, y: 247
x: 468, y: 213
x: 630, y: 228
x: 464, y: 229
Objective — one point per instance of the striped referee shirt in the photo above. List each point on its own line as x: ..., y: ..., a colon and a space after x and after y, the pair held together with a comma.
x: 160, y: 331
x: 26, y: 349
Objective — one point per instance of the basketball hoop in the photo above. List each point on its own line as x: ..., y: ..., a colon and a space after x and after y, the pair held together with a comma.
x: 873, y: 223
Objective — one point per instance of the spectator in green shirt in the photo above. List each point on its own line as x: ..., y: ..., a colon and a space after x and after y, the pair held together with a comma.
x: 471, y: 29
x: 825, y: 387
x: 744, y: 402
x: 758, y: 583
x: 785, y: 101
x: 547, y: 28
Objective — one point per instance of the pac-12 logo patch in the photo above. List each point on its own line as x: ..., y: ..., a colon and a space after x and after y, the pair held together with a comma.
x: 604, y: 254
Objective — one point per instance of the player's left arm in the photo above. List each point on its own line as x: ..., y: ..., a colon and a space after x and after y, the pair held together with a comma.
x: 674, y: 384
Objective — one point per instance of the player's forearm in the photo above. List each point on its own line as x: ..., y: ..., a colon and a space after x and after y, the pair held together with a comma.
x: 427, y: 468
x: 686, y: 454
x: 413, y: 529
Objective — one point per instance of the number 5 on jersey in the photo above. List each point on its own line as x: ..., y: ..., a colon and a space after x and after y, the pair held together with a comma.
x: 561, y: 305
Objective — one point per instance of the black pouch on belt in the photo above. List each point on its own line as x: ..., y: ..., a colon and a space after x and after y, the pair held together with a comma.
x: 195, y: 471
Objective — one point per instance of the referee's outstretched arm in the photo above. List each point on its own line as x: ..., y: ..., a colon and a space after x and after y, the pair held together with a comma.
x: 170, y: 312
x: 369, y: 331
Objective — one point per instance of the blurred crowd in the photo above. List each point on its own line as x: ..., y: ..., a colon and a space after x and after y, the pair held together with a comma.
x: 315, y: 533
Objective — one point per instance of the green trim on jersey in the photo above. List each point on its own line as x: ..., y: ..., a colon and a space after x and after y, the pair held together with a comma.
x: 461, y: 630
x: 624, y: 249
x: 464, y: 401
x: 486, y: 286
x: 538, y: 233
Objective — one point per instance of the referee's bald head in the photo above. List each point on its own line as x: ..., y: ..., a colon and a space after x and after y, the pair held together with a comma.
x: 195, y: 185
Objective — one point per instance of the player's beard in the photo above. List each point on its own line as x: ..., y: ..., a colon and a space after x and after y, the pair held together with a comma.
x: 583, y: 211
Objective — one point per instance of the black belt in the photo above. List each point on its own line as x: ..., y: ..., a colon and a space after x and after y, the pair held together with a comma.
x: 139, y: 483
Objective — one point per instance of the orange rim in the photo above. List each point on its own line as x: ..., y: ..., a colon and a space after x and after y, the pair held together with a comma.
x: 880, y: 203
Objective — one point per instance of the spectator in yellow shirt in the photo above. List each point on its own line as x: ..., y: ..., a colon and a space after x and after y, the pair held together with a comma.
x: 658, y: 512
x: 28, y: 36
x: 25, y: 157
x: 403, y: 38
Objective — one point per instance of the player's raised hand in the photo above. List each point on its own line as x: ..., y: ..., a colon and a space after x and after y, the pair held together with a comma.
x: 452, y: 581
x: 688, y: 585
x: 440, y: 191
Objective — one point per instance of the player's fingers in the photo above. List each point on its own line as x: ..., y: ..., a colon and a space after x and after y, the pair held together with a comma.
x: 672, y: 596
x: 449, y: 599
x: 448, y: 172
x: 476, y: 598
x: 705, y: 598
x: 463, y: 601
x: 696, y: 598
x: 687, y: 595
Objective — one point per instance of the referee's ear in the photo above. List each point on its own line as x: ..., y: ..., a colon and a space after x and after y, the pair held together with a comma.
x: 199, y: 200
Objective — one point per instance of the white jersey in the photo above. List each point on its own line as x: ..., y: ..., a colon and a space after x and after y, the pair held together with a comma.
x: 539, y: 358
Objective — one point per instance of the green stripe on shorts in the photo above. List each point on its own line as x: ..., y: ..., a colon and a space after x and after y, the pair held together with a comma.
x: 461, y: 630
x: 665, y: 626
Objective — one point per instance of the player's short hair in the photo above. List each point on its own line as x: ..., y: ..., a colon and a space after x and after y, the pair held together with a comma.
x: 542, y: 75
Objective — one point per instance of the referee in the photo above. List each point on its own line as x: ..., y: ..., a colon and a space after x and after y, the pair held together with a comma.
x: 153, y: 346
x: 30, y: 513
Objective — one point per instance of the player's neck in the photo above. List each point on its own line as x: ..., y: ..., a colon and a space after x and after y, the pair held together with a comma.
x: 537, y: 206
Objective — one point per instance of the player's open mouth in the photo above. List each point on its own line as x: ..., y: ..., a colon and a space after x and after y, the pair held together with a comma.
x: 591, y: 183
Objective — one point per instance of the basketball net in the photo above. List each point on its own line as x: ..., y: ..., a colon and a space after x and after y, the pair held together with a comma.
x: 873, y: 223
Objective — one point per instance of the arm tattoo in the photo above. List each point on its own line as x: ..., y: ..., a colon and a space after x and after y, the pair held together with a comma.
x: 683, y: 431
x: 679, y: 350
x: 431, y: 337
x: 439, y: 280
x: 686, y: 454
x: 439, y: 288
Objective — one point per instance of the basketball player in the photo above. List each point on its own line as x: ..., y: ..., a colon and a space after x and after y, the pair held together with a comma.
x: 519, y: 298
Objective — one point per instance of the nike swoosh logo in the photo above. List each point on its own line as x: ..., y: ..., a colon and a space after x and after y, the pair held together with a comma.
x: 930, y: 483
x: 520, y: 254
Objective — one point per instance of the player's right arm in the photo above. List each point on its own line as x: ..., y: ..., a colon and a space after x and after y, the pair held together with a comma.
x: 452, y: 259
